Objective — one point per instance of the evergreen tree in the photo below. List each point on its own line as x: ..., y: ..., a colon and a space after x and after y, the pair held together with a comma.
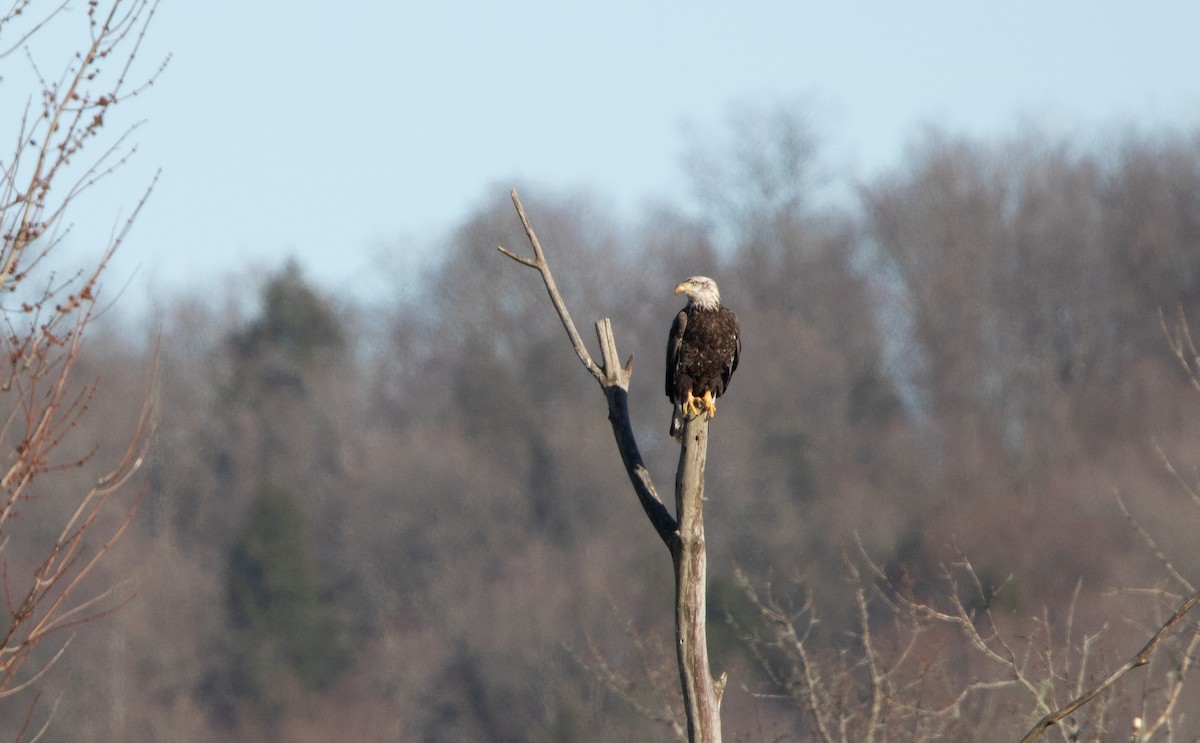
x: 294, y: 319
x: 280, y: 627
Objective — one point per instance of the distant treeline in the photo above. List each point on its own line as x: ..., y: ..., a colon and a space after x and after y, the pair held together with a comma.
x: 403, y: 518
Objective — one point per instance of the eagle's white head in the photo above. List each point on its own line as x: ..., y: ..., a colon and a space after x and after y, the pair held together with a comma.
x: 701, y: 291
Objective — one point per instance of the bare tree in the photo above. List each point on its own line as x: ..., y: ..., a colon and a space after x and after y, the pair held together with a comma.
x: 46, y: 313
x: 894, y: 682
x: 684, y: 535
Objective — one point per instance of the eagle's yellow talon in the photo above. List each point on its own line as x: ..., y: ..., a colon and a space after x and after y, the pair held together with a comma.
x: 693, y: 406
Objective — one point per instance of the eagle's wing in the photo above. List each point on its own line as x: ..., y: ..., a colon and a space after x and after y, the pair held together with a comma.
x: 673, y: 342
x: 731, y: 363
x: 737, y: 350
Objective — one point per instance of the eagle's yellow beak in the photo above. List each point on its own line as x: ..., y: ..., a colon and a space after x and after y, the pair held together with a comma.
x: 682, y: 286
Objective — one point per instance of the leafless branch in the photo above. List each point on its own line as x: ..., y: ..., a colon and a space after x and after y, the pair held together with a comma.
x: 614, y: 380
x: 539, y: 263
x: 1141, y: 659
x: 623, y: 688
x: 683, y: 534
x: 46, y: 315
x: 1182, y: 345
x: 1152, y: 544
x: 805, y: 684
x: 37, y: 26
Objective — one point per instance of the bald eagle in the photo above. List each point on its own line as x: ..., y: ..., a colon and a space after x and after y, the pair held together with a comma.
x: 702, y: 352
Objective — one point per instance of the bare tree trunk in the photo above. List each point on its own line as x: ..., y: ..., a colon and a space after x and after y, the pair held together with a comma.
x: 701, y: 694
x: 683, y: 534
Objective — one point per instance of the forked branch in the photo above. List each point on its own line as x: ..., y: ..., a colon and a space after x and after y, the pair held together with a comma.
x: 613, y: 379
x: 539, y: 262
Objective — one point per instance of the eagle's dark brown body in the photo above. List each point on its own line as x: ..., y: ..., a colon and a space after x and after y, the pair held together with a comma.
x: 702, y: 351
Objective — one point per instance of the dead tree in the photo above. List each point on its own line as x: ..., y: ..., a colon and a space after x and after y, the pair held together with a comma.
x: 682, y: 534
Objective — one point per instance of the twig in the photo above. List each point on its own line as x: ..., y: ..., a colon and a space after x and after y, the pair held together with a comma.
x: 1141, y: 659
x: 1153, y: 545
x: 622, y: 687
x: 805, y: 685
x: 1182, y: 345
x: 539, y: 263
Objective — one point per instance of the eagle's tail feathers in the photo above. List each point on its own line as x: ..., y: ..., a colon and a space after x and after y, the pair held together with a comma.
x: 678, y: 418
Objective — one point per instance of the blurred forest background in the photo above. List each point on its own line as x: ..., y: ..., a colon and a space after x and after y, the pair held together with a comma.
x: 402, y: 517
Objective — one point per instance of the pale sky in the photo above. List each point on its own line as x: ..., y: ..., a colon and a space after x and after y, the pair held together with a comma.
x: 351, y: 134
